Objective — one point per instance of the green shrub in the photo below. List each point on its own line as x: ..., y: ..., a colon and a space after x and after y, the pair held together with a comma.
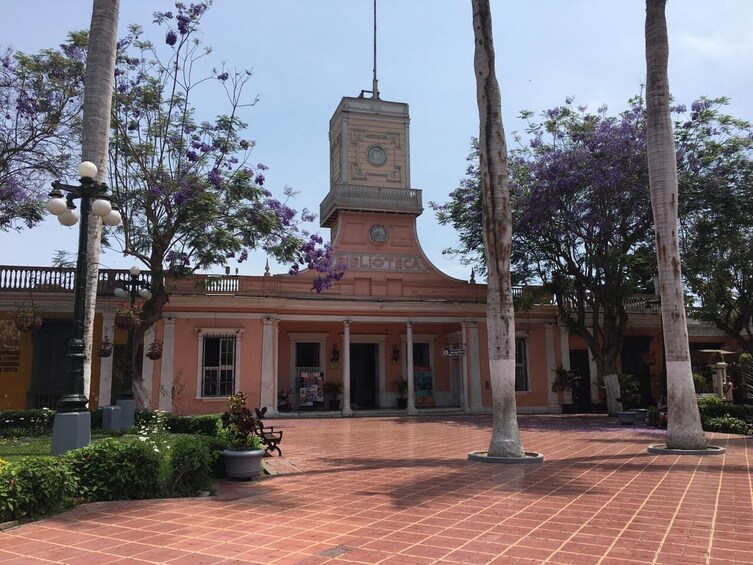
x: 710, y: 400
x: 216, y: 446
x: 725, y: 425
x: 116, y: 470
x: 35, y: 486
x: 204, y: 425
x: 699, y: 383
x: 719, y: 409
x: 190, y: 466
x: 28, y: 423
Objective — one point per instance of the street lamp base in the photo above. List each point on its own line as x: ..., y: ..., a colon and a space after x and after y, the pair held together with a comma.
x: 73, y: 403
x: 128, y: 407
x: 71, y: 430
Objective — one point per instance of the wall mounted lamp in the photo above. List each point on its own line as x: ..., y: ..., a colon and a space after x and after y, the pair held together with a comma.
x: 335, y: 354
x: 395, y: 354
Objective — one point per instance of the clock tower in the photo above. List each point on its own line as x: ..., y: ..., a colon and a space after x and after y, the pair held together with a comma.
x: 369, y: 163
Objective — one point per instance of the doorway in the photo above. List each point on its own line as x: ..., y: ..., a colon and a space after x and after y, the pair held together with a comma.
x: 633, y: 355
x: 49, y: 366
x: 363, y: 375
x: 579, y: 360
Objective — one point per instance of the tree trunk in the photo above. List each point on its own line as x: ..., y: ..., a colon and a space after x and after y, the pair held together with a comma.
x: 684, y: 429
x: 100, y: 70
x: 497, y: 232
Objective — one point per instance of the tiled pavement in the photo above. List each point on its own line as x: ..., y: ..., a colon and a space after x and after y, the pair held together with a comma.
x: 400, y: 491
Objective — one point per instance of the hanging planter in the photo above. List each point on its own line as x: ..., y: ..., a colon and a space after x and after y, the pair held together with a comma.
x: 27, y: 319
x: 155, y: 350
x: 105, y: 347
x: 128, y: 316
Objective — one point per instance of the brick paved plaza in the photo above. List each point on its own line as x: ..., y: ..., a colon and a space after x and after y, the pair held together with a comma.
x: 400, y: 490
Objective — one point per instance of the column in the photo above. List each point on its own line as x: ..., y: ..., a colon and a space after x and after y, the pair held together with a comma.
x: 347, y: 411
x: 105, y: 363
x: 268, y: 353
x: 477, y: 404
x: 168, y: 359
x: 464, y: 368
x: 554, y: 402
x: 409, y: 363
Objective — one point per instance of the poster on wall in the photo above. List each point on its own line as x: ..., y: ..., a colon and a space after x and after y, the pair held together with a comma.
x: 424, y: 384
x: 311, y: 394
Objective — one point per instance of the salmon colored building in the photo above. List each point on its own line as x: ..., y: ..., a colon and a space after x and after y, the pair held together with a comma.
x: 393, y: 317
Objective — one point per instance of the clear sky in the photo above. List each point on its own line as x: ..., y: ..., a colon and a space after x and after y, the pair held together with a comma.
x: 307, y: 54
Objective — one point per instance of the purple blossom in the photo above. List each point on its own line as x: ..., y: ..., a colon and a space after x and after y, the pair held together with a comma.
x: 260, y: 180
x: 183, y: 22
x: 171, y: 38
x: 223, y: 76
x: 215, y: 178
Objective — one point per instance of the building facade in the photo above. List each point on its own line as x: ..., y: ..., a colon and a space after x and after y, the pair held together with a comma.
x: 393, y: 317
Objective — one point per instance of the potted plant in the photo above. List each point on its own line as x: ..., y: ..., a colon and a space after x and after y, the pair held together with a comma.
x: 128, y: 315
x: 401, y: 387
x: 155, y: 350
x: 105, y: 347
x: 332, y: 391
x: 630, y: 398
x: 239, y: 429
x: 567, y: 381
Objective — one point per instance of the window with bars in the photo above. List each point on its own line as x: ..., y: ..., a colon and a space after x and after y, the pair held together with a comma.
x: 218, y: 365
x: 521, y: 364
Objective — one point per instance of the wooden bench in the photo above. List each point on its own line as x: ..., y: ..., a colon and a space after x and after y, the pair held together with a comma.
x: 269, y: 436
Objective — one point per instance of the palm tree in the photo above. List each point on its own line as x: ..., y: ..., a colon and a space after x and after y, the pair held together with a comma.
x: 98, y: 85
x: 684, y: 429
x: 497, y: 232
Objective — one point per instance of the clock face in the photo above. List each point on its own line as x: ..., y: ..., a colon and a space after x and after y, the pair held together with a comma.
x: 376, y: 155
x: 378, y: 234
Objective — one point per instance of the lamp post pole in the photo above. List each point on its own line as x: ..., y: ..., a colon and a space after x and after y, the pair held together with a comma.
x: 72, y: 427
x: 134, y: 287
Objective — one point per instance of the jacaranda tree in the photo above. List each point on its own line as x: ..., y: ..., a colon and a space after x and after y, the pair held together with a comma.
x: 189, y: 194
x: 40, y: 104
x: 581, y: 224
x: 715, y: 162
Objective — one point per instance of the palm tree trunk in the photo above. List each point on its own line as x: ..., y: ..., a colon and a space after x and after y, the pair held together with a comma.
x: 100, y: 70
x: 684, y: 429
x: 497, y: 232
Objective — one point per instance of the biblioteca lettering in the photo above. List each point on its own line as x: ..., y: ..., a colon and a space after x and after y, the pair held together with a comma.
x: 386, y: 262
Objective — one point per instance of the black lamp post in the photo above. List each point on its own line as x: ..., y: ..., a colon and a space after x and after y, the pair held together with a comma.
x: 93, y: 196
x: 134, y: 287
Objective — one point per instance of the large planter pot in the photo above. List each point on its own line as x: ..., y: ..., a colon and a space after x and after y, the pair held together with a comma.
x: 242, y: 464
x: 640, y: 414
x: 626, y: 417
